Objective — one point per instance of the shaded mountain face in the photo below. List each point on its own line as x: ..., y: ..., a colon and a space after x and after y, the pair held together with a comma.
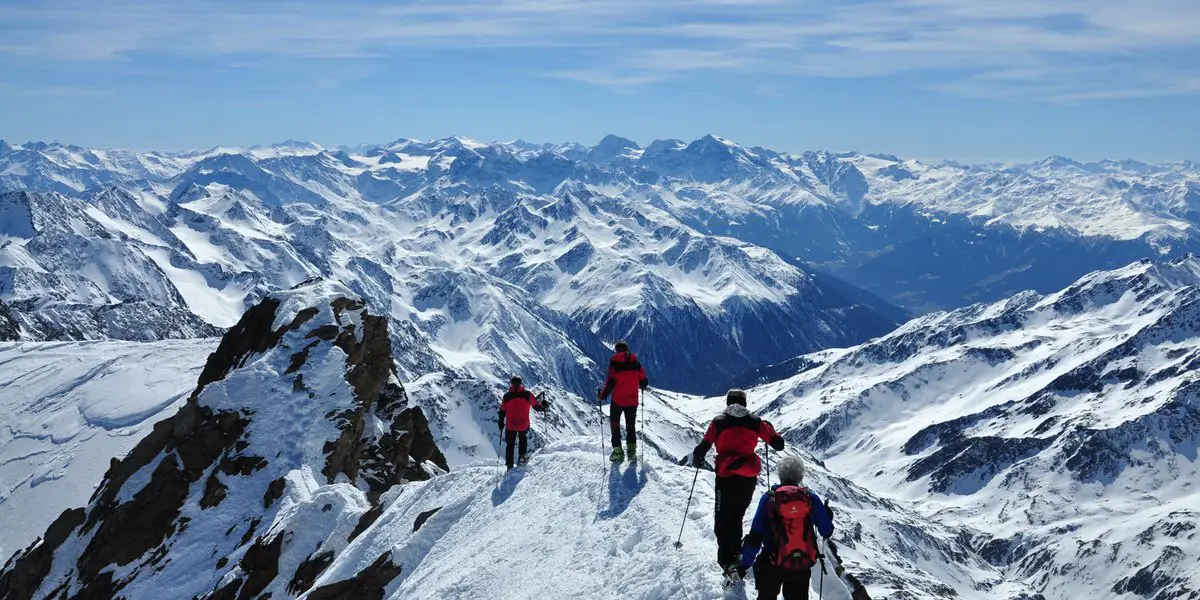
x: 296, y: 428
x: 1063, y: 429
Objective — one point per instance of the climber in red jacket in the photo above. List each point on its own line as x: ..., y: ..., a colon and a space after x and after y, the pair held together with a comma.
x: 626, y: 378
x: 514, y: 418
x: 735, y: 433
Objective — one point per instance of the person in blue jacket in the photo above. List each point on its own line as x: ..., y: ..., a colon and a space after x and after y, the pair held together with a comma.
x: 783, y: 531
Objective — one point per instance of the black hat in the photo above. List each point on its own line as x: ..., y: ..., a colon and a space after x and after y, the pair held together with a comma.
x: 735, y: 397
x: 516, y: 380
x: 622, y: 346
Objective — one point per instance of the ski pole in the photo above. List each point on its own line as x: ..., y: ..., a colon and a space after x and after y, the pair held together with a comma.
x: 767, y: 455
x: 600, y: 405
x: 679, y: 541
x: 821, y: 584
x: 638, y: 421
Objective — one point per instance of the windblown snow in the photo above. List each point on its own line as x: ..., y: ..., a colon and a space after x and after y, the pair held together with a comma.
x: 68, y: 408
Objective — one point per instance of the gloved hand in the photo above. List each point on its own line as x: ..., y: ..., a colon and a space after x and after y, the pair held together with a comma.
x: 543, y: 405
x: 643, y: 384
x: 697, y: 459
x: 777, y: 443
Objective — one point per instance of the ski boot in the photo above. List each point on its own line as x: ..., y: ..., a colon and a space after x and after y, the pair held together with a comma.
x: 733, y: 578
x: 618, y: 454
x: 631, y: 450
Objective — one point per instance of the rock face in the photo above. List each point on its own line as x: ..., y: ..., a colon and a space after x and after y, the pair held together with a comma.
x: 297, y: 426
x: 9, y: 330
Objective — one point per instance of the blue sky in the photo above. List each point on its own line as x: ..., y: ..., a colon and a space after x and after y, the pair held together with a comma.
x: 972, y: 80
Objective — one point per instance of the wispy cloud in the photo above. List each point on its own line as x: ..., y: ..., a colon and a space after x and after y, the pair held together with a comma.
x: 53, y: 92
x: 1057, y: 50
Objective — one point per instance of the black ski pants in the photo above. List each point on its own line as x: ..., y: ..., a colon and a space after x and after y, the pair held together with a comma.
x: 734, y: 494
x: 614, y: 422
x: 769, y: 581
x: 520, y: 437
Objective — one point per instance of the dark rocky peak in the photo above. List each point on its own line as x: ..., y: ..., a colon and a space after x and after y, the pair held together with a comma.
x: 297, y: 427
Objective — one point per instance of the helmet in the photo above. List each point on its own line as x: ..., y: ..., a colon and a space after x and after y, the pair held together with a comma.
x: 735, y: 397
x: 516, y: 380
x: 621, y: 346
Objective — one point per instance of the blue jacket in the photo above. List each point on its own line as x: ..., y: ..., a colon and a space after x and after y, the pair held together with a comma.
x: 760, y: 531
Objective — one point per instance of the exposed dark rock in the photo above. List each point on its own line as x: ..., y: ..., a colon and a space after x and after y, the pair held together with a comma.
x: 10, y: 330
x: 308, y: 572
x: 366, y: 521
x: 368, y: 584
x: 274, y: 492
x: 24, y: 573
x: 421, y: 518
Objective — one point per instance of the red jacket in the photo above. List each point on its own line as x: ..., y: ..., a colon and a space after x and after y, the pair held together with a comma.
x: 735, y: 433
x: 515, y: 406
x: 625, y: 377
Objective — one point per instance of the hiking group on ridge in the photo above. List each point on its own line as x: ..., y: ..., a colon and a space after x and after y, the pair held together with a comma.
x: 781, y: 547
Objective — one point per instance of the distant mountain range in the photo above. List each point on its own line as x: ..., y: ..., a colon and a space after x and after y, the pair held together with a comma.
x: 691, y: 251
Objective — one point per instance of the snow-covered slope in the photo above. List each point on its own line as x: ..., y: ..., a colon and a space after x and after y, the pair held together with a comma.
x: 294, y: 470
x: 68, y: 408
x: 1062, y: 429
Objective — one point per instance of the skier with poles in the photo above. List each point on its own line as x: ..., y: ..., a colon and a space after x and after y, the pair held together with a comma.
x: 783, y: 530
x: 514, y: 419
x: 626, y: 378
x: 735, y: 433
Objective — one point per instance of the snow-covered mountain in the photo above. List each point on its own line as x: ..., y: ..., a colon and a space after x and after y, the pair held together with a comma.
x: 913, y: 233
x: 299, y: 467
x: 1061, y: 429
x: 509, y: 257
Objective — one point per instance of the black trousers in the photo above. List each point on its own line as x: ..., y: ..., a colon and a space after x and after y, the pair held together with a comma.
x: 614, y: 422
x: 522, y: 438
x: 769, y: 581
x: 733, y: 498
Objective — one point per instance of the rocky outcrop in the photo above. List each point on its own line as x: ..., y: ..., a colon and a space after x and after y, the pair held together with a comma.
x: 298, y: 424
x: 9, y: 328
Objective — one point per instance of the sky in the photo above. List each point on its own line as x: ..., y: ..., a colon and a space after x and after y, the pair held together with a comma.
x: 971, y: 80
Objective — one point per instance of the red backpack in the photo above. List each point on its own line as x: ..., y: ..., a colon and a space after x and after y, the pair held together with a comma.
x: 792, y: 527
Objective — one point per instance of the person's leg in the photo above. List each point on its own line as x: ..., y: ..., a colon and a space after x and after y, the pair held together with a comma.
x: 765, y: 581
x: 739, y: 495
x: 614, y: 423
x: 796, y: 588
x: 523, y: 439
x: 631, y: 424
x: 727, y: 521
x: 509, y: 438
